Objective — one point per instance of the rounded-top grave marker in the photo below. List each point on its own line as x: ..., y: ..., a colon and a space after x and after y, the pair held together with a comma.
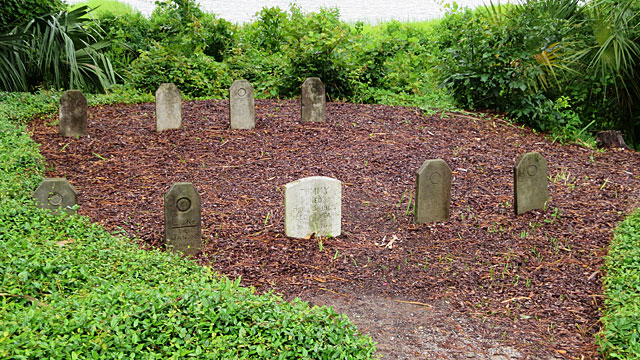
x: 433, y: 192
x: 312, y: 100
x: 242, y: 110
x: 530, y: 185
x: 168, y: 107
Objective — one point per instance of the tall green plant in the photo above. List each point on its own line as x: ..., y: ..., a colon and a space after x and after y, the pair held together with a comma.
x: 12, y: 69
x: 65, y: 53
x: 614, y: 55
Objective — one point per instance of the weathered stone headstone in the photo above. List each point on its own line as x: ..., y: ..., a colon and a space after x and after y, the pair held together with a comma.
x: 182, y: 224
x: 313, y: 205
x: 433, y: 192
x: 530, y: 185
x: 73, y: 114
x: 56, y: 194
x: 168, y: 107
x: 242, y: 109
x: 312, y: 100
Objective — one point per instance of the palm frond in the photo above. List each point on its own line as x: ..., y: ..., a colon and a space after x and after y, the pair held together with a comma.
x: 67, y: 54
x: 12, y: 70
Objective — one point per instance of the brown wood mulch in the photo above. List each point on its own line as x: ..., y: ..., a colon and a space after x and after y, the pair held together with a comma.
x: 536, y: 277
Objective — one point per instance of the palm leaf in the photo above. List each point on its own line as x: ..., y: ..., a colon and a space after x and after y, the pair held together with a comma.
x: 67, y: 55
x: 12, y: 70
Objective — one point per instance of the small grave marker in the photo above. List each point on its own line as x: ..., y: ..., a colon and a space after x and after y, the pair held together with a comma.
x: 182, y: 221
x: 242, y: 109
x: 56, y: 194
x: 73, y: 114
x: 312, y: 100
x: 433, y: 192
x: 313, y: 205
x: 168, y: 107
x: 530, y: 185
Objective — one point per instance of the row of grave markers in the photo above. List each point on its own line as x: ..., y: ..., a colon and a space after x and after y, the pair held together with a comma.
x: 242, y: 113
x: 313, y: 205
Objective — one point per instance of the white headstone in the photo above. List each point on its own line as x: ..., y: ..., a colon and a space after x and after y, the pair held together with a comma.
x: 168, y: 107
x: 313, y: 205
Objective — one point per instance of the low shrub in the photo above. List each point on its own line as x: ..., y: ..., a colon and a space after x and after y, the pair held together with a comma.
x: 129, y: 37
x: 620, y: 334
x: 197, y: 75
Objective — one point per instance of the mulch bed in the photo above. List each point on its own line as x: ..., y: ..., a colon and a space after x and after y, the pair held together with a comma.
x: 535, y: 277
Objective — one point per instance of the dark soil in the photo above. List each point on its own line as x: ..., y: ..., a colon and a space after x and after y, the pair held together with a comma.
x: 530, y: 283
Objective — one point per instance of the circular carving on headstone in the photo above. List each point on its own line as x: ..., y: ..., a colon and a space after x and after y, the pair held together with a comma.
x: 532, y: 170
x: 183, y: 204
x: 55, y: 199
x: 242, y: 92
x: 435, y: 178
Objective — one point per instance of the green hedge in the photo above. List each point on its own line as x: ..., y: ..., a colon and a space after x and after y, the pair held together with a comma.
x: 620, y: 334
x: 71, y: 290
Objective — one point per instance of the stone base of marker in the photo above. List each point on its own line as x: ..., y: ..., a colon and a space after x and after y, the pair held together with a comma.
x: 56, y: 194
x: 182, y: 219
x: 530, y: 186
x: 73, y: 114
x: 313, y: 206
x: 312, y: 100
x: 168, y: 107
x: 242, y: 109
x: 433, y: 192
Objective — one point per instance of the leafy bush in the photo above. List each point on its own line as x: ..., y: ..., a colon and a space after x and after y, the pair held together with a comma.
x: 15, y: 13
x: 619, y: 337
x: 197, y: 75
x: 69, y: 289
x: 128, y: 35
x: 492, y: 60
x: 524, y: 59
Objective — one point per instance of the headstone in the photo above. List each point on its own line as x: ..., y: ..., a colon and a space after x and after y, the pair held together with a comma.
x: 168, y: 107
x: 73, y: 114
x: 182, y: 224
x: 530, y: 183
x: 433, y: 192
x: 312, y: 100
x: 610, y: 139
x: 56, y: 194
x: 313, y: 205
x: 242, y: 109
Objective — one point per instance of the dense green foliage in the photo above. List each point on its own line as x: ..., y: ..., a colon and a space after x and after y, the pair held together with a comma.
x: 620, y: 334
x: 555, y: 65
x: 276, y: 52
x: 69, y: 289
x: 19, y: 12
